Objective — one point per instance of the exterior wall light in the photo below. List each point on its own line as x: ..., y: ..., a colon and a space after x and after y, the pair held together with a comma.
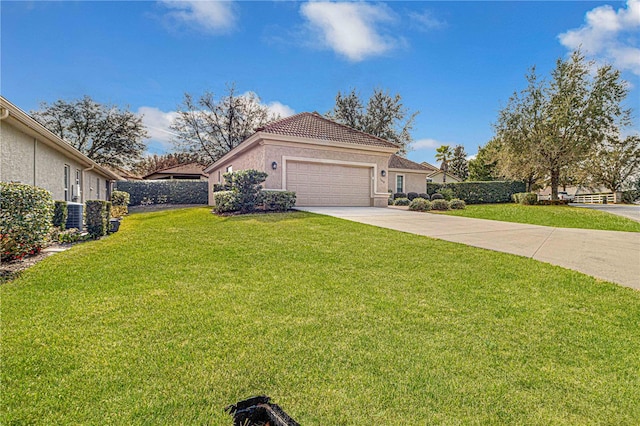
x: 274, y: 165
x: 383, y: 173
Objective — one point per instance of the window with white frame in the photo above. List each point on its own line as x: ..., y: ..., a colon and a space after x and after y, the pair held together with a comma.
x: 98, y: 188
x: 67, y: 182
x: 399, y: 183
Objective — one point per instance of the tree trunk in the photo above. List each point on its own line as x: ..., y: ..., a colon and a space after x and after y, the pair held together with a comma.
x: 555, y: 179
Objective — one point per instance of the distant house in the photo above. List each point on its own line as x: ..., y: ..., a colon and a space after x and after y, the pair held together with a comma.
x: 437, y: 176
x: 124, y: 174
x: 183, y: 171
x: 31, y: 154
x: 408, y: 176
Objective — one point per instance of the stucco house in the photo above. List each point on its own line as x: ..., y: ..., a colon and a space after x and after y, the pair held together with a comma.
x: 31, y: 154
x: 325, y: 163
x: 408, y: 176
x: 182, y: 171
x: 437, y: 176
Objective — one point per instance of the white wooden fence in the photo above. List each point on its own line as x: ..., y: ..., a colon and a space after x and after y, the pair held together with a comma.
x: 595, y: 198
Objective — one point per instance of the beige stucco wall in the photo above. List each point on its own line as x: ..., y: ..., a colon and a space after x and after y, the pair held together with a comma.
x: 438, y: 177
x: 277, y: 152
x: 16, y: 155
x: 27, y: 160
x: 262, y: 155
x: 413, y: 182
x: 252, y: 158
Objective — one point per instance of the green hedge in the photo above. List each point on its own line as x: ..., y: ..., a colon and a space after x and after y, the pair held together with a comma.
x: 98, y: 213
x: 226, y: 201
x: 26, y: 215
x: 480, y: 192
x: 525, y: 198
x: 60, y: 214
x: 165, y: 191
x: 277, y: 201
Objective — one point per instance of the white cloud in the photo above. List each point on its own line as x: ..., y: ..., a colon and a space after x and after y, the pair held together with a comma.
x: 157, y: 123
x: 426, y: 21
x: 428, y: 144
x: 352, y: 30
x: 609, y: 35
x: 280, y: 109
x: 215, y: 17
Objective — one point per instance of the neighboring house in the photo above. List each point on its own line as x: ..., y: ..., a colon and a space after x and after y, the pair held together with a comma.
x: 183, y: 171
x: 325, y: 163
x: 437, y: 176
x: 31, y: 154
x: 408, y: 176
x: 124, y: 174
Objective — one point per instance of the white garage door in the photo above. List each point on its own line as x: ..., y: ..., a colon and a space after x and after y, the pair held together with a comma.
x: 317, y: 184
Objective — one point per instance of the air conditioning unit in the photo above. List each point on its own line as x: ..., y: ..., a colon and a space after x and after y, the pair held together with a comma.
x: 75, y: 215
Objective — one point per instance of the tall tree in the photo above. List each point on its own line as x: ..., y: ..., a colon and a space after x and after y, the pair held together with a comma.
x: 384, y: 116
x: 459, y: 164
x: 613, y: 163
x: 484, y: 167
x: 444, y: 155
x: 105, y: 133
x: 550, y: 127
x: 210, y: 127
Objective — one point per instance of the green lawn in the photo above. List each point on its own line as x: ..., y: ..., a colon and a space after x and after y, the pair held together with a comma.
x: 556, y: 216
x: 182, y: 312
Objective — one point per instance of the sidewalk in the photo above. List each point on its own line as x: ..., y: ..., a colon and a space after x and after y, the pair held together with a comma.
x: 609, y: 255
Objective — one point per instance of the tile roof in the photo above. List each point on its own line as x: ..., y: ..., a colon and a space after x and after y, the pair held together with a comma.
x: 314, y: 126
x: 397, y: 162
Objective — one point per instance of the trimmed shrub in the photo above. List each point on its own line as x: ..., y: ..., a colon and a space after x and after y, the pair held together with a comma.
x: 389, y: 201
x: 170, y: 191
x: 217, y: 187
x: 26, y: 214
x: 412, y: 195
x: 447, y: 193
x: 439, y: 204
x: 401, y: 202
x: 437, y: 196
x: 71, y: 235
x: 480, y: 192
x: 399, y: 195
x: 60, y: 214
x: 420, y: 205
x: 457, y: 204
x: 525, y: 198
x: 97, y: 217
x: 246, y: 183
x: 424, y: 195
x: 119, y: 211
x: 226, y: 201
x: 277, y: 201
x: 120, y: 198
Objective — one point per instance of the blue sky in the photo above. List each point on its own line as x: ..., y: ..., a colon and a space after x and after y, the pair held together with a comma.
x: 455, y: 62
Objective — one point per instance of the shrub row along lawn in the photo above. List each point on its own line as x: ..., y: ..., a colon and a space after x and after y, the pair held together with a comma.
x: 556, y: 216
x: 182, y: 312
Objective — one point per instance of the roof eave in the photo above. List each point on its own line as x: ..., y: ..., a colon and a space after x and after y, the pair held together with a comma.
x: 51, y: 139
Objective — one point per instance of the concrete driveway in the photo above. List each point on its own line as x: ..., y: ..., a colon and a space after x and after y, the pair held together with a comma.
x: 609, y: 255
x: 631, y: 211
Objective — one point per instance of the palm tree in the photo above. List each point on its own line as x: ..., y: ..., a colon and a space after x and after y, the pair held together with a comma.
x: 444, y: 154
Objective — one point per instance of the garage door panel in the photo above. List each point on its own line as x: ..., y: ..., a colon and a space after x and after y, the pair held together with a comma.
x: 320, y: 184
